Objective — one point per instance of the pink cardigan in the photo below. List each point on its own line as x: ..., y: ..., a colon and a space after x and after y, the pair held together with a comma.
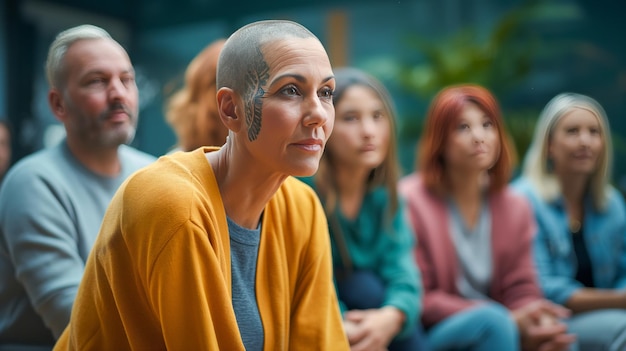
x: 514, y: 281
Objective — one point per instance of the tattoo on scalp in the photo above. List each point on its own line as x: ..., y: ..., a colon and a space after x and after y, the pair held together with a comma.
x: 256, y: 78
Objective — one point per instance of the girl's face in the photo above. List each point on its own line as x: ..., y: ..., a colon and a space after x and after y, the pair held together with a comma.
x: 362, y: 130
x: 576, y: 143
x: 473, y: 145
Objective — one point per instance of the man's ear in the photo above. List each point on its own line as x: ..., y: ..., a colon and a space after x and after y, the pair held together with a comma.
x: 230, y: 113
x: 57, y: 105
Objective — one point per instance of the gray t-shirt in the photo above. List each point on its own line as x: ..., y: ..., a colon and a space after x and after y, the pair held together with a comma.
x: 244, y: 250
x: 473, y: 248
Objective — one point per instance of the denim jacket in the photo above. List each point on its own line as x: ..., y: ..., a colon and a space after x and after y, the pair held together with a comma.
x: 604, y: 235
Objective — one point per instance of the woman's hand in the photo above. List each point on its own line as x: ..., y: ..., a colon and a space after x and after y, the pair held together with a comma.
x: 540, y: 327
x: 373, y: 329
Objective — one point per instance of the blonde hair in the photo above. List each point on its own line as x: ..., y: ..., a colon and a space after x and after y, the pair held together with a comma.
x: 192, y: 111
x: 537, y: 166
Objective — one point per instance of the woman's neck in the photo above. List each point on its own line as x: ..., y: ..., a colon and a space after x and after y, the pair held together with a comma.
x: 466, y: 190
x: 573, y: 188
x: 244, y: 194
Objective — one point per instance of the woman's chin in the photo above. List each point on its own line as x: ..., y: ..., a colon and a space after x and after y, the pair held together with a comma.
x: 305, y: 171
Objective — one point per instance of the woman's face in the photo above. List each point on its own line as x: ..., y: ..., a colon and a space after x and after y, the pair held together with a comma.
x: 362, y: 130
x: 576, y: 143
x: 295, y: 112
x: 473, y: 145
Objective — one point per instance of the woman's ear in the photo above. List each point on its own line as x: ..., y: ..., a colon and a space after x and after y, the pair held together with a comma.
x: 229, y: 111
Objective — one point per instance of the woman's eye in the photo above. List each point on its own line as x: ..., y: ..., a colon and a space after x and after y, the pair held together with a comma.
x: 326, y: 93
x: 290, y: 90
x: 488, y: 124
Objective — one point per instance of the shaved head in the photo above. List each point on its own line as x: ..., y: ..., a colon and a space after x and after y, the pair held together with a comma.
x: 242, y: 56
x: 243, y: 68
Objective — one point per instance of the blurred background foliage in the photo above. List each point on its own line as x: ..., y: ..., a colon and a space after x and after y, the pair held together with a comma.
x: 524, y: 51
x: 501, y: 59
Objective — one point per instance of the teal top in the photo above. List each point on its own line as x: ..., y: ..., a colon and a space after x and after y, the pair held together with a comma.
x: 384, y: 247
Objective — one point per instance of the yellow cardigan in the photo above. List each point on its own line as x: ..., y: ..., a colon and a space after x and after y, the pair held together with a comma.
x: 158, y: 276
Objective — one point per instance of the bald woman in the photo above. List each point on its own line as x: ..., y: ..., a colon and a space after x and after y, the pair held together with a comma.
x: 221, y: 248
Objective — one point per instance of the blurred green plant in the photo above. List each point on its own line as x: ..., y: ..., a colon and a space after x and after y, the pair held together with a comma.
x: 500, y: 60
x: 520, y: 125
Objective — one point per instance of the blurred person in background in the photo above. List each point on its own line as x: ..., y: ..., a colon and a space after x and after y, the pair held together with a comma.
x: 474, y: 234
x: 52, y: 202
x: 192, y: 111
x: 377, y: 281
x: 580, y: 248
x: 5, y: 147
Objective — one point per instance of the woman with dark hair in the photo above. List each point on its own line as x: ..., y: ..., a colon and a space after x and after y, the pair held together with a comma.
x: 377, y: 281
x: 474, y: 234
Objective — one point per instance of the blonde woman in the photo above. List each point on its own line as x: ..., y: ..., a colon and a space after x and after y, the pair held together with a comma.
x: 579, y: 248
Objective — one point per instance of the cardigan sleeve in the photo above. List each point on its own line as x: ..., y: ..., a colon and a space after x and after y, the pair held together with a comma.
x: 439, y: 301
x: 193, y: 309
x: 517, y: 278
x: 315, y: 322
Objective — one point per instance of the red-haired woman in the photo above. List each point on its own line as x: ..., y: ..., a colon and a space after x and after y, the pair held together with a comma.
x: 474, y: 234
x: 192, y: 110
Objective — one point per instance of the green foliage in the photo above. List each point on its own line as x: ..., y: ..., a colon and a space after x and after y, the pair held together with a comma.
x: 521, y: 125
x: 500, y: 59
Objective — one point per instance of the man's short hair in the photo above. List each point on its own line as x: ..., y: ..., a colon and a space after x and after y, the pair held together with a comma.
x: 55, y: 68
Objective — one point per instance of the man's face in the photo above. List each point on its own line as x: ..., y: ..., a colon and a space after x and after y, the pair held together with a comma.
x: 99, y: 97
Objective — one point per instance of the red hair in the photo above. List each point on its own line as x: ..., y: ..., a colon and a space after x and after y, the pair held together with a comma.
x: 442, y: 116
x: 192, y: 111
